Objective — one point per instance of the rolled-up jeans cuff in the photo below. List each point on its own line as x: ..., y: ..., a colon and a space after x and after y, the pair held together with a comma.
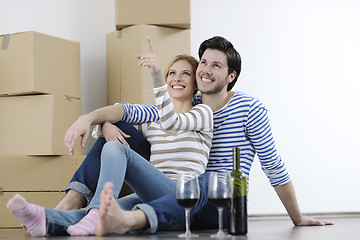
x: 81, y: 188
x: 151, y: 217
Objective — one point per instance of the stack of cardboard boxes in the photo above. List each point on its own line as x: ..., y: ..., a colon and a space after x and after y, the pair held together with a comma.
x: 40, y: 97
x: 166, y: 22
x: 40, y: 94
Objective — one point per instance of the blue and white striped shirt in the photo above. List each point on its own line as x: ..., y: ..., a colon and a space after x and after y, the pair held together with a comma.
x: 243, y: 122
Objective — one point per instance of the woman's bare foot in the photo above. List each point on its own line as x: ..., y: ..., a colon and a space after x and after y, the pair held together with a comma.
x: 113, y: 219
x: 72, y: 200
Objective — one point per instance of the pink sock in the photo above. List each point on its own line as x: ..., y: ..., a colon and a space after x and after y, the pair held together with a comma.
x: 86, y: 226
x: 32, y: 216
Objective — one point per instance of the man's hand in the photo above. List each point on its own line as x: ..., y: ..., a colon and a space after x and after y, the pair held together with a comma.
x: 287, y: 196
x: 308, y: 221
x: 81, y: 127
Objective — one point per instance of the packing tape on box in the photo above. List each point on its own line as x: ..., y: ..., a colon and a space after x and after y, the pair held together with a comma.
x: 5, y: 42
x: 119, y: 34
x: 68, y: 97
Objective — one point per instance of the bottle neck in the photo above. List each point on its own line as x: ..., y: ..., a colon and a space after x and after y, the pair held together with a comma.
x: 236, y: 158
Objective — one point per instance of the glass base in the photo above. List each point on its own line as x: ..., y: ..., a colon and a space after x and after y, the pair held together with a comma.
x: 188, y: 235
x: 220, y: 234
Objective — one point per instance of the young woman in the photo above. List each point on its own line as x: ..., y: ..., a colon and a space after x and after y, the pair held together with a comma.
x: 180, y: 143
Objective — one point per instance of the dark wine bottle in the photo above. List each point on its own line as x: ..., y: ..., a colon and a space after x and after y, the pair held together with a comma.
x: 237, y: 209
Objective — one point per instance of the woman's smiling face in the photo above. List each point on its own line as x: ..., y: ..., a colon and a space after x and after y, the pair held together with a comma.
x: 181, y: 80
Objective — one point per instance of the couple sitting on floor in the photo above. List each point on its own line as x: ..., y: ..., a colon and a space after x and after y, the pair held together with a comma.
x: 185, y: 133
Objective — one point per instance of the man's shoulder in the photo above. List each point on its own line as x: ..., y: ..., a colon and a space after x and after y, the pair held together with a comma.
x: 254, y: 102
x: 239, y: 96
x: 247, y: 99
x: 243, y: 95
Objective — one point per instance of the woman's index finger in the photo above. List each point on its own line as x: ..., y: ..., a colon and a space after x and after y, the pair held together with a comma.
x: 150, y: 46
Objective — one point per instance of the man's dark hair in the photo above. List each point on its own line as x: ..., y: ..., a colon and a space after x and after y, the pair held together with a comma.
x: 233, y: 57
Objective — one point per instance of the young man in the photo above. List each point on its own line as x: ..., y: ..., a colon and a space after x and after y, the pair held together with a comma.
x: 239, y: 120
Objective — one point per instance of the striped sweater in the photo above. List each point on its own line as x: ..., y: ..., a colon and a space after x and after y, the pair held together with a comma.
x: 180, y: 142
x: 242, y: 122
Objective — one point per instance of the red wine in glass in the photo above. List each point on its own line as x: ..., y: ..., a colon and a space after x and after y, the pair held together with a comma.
x: 187, y: 202
x: 219, y: 202
x: 187, y: 195
x: 219, y: 193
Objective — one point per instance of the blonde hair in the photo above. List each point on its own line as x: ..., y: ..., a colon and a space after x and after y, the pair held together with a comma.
x: 190, y: 59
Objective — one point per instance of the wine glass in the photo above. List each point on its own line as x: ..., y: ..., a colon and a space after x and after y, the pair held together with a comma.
x: 219, y: 193
x: 187, y: 195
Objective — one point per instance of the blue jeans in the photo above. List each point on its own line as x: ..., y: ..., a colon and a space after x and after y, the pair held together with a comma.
x: 86, y: 177
x: 118, y: 164
x: 170, y: 216
x: 163, y: 213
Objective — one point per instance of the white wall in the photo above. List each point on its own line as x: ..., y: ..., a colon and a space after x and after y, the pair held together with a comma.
x: 300, y: 58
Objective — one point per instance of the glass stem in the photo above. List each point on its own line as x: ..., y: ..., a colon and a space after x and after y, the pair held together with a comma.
x: 220, y: 210
x: 187, y: 220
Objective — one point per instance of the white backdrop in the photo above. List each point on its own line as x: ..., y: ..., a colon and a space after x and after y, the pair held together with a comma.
x: 301, y: 58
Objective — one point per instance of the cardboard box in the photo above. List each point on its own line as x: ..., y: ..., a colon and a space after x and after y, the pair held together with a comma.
x: 170, y: 13
x: 40, y: 179
x: 36, y: 124
x: 126, y: 81
x: 45, y: 199
x: 31, y: 62
x: 37, y: 173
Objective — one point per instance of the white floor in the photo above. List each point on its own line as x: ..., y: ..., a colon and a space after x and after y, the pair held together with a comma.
x: 260, y: 228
